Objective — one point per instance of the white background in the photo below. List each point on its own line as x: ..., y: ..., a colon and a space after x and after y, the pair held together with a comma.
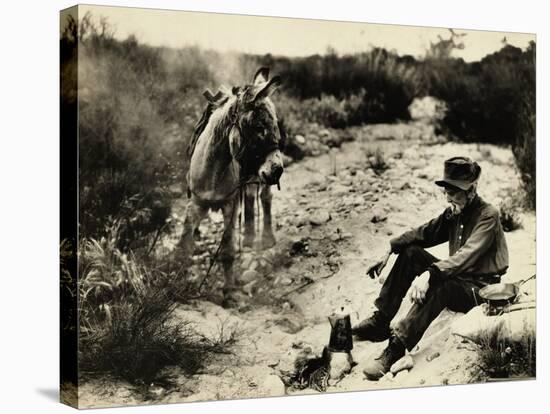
x: 29, y: 219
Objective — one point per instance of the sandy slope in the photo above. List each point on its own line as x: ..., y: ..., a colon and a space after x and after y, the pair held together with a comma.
x: 287, y: 311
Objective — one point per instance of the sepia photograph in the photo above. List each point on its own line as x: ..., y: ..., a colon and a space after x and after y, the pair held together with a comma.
x: 258, y: 206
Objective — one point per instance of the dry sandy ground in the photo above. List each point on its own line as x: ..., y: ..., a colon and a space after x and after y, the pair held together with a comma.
x: 291, y: 297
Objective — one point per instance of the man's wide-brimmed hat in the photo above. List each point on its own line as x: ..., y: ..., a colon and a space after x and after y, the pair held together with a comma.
x: 459, y: 172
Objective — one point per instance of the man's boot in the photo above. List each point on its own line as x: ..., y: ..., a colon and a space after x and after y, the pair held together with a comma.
x: 376, y: 368
x: 374, y: 329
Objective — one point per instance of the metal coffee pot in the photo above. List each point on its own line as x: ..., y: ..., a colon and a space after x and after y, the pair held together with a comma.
x: 341, y: 339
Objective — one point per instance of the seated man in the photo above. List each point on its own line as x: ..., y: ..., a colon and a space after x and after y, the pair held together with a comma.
x: 477, y: 256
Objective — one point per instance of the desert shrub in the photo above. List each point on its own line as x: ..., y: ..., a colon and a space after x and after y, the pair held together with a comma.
x: 524, y: 148
x: 390, y: 86
x: 499, y: 358
x: 120, y: 135
x: 327, y: 110
x: 492, y: 100
x: 376, y: 160
x: 509, y: 210
x: 126, y: 316
x: 330, y: 111
x: 484, y: 98
x: 137, y: 109
x: 377, y: 86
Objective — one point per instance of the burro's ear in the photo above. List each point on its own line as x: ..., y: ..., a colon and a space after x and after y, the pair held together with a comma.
x: 214, y: 99
x: 208, y: 95
x: 268, y: 89
x: 261, y: 76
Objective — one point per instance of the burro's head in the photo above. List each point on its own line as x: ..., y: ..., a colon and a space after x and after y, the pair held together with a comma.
x: 255, y: 138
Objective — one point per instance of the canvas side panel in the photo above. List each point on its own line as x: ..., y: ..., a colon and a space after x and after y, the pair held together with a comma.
x: 69, y: 206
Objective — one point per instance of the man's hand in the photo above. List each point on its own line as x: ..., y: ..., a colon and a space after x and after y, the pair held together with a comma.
x: 379, y: 265
x: 419, y: 287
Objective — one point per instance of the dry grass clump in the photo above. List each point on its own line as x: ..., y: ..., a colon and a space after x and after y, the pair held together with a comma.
x: 502, y: 358
x: 127, y: 324
x: 509, y: 213
x: 376, y: 160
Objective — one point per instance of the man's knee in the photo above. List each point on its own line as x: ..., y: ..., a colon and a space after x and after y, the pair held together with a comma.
x: 412, y: 251
x: 439, y: 289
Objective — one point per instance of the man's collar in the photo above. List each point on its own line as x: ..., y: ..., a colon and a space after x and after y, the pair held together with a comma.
x: 474, y: 202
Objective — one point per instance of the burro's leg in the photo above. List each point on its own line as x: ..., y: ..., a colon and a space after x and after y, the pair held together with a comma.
x: 227, y: 249
x: 194, y: 214
x: 268, y: 239
x: 249, y: 228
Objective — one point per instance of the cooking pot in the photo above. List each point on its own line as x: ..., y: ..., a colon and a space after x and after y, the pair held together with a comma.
x: 501, y: 294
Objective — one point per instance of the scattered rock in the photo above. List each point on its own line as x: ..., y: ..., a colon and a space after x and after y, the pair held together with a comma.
x: 515, y: 326
x: 248, y: 276
x: 299, y: 221
x: 272, y: 385
x: 249, y: 288
x: 338, y: 189
x: 319, y: 217
x: 335, y: 237
x: 289, y: 326
x: 300, y: 139
x: 356, y: 200
x: 286, y: 306
x: 386, y: 378
x: 286, y: 281
x: 156, y: 391
x: 406, y: 362
x: 272, y: 363
x: 433, y: 356
x: 378, y: 216
x: 401, y: 374
x: 246, y: 260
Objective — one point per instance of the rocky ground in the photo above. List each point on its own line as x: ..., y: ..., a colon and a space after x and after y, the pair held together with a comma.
x: 334, y: 216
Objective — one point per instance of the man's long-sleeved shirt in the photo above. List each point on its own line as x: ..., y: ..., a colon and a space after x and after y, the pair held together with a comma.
x: 477, y: 246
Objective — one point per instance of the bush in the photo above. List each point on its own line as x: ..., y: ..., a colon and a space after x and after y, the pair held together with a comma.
x: 484, y: 97
x: 501, y: 359
x: 327, y: 110
x: 126, y: 310
x: 509, y: 215
x: 525, y: 148
x: 377, y: 86
x: 120, y: 134
x: 376, y: 161
x: 137, y: 109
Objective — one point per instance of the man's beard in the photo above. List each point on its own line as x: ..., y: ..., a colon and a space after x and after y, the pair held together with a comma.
x: 456, y: 209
